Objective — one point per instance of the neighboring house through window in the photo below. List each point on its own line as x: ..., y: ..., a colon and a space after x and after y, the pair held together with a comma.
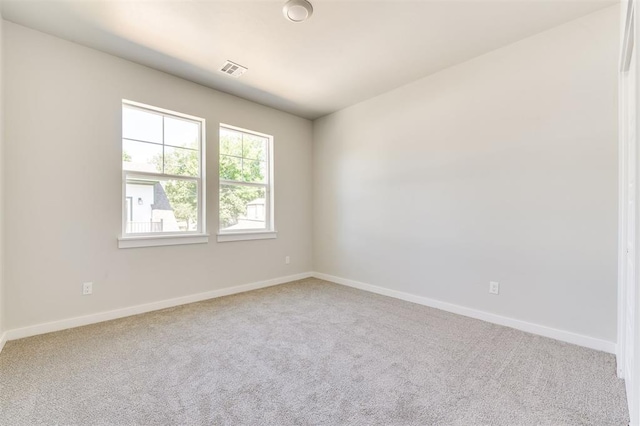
x: 163, y: 178
x: 246, y: 183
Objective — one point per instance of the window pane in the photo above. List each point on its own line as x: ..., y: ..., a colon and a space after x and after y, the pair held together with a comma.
x: 242, y: 207
x: 181, y: 162
x: 230, y: 168
x: 254, y: 147
x: 141, y: 125
x: 141, y: 156
x: 156, y: 205
x: 181, y: 133
x: 254, y: 171
x: 230, y: 142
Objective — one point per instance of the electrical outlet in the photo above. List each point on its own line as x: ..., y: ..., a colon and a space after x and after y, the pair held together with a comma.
x: 87, y: 289
x: 287, y: 260
x: 494, y: 287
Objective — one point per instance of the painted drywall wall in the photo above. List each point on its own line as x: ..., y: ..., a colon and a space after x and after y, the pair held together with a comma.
x: 503, y: 168
x: 63, y: 197
x: 2, y: 299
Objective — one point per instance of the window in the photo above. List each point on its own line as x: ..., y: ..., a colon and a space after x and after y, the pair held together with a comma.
x: 246, y: 185
x: 163, y: 177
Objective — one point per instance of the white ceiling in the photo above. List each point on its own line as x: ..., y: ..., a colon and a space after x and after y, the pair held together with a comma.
x: 347, y: 52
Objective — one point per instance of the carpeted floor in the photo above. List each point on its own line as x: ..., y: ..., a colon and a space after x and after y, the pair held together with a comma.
x: 305, y: 353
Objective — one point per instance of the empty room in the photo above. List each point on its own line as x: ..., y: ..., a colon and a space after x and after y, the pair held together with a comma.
x: 319, y: 212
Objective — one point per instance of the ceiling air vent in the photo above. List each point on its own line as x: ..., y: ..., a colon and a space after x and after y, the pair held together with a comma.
x: 233, y: 69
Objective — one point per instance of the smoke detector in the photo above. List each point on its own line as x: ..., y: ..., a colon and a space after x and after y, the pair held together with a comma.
x: 233, y: 69
x: 297, y: 10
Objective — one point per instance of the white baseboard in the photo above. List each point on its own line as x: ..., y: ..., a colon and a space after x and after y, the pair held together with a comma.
x: 3, y: 339
x: 553, y: 333
x: 48, y: 327
x: 565, y: 336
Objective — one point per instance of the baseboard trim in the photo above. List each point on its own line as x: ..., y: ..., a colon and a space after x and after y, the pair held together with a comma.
x: 3, y: 340
x: 553, y: 333
x: 49, y: 327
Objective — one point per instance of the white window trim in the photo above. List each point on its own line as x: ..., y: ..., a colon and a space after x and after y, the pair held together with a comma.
x: 167, y: 238
x: 162, y: 240
x: 269, y: 232
x: 246, y: 236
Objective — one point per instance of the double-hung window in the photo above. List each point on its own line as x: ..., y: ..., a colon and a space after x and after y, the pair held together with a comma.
x: 246, y: 185
x: 162, y: 176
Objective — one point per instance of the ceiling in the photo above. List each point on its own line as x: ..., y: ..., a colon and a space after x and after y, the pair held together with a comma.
x: 348, y: 51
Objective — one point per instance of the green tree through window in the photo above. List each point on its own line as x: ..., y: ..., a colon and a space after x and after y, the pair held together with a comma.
x: 182, y: 195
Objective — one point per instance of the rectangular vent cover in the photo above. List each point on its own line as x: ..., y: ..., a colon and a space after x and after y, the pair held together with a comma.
x: 233, y: 69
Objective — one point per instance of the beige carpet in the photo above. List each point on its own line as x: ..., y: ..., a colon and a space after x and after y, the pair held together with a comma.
x: 305, y: 353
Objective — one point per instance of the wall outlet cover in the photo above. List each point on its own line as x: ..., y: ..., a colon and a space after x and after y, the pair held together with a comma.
x: 87, y: 288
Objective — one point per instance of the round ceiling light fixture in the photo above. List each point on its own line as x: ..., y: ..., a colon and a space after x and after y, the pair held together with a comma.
x: 297, y: 10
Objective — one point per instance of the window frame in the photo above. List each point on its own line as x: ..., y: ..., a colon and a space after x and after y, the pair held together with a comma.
x: 150, y: 239
x: 269, y: 231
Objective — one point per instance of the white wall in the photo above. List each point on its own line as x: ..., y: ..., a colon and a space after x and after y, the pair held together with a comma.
x: 63, y: 197
x: 503, y: 168
x: 2, y: 216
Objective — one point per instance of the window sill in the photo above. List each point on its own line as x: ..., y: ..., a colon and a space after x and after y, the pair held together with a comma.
x: 247, y: 236
x: 162, y: 240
